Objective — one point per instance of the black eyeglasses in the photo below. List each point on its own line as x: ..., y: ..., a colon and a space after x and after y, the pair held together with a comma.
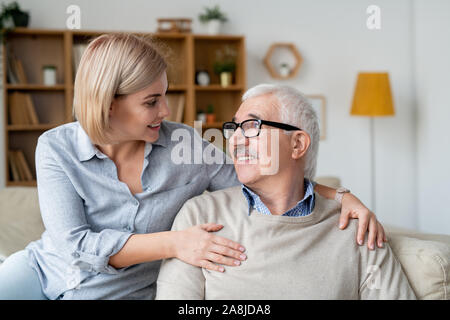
x: 252, y: 127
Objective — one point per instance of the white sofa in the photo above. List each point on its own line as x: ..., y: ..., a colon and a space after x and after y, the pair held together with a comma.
x: 425, y: 258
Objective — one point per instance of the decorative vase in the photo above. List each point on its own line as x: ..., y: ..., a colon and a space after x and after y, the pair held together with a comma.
x: 214, y: 26
x: 225, y: 79
x: 201, y: 116
x: 284, y: 70
x: 202, y: 78
x: 49, y: 75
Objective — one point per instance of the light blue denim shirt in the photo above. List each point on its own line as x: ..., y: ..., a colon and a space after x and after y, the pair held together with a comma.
x: 89, y: 214
x: 303, y: 208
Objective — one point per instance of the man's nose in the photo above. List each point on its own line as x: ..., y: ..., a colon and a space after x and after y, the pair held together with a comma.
x: 238, y: 138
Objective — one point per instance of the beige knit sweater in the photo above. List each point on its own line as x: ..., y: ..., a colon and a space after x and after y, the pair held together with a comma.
x: 288, y: 257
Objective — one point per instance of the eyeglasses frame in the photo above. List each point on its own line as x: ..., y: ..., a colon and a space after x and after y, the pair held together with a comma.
x: 278, y: 125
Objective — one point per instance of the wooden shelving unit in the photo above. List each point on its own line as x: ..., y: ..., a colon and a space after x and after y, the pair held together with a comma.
x: 53, y: 104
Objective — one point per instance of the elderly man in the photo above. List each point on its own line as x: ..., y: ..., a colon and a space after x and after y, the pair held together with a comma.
x: 293, y: 246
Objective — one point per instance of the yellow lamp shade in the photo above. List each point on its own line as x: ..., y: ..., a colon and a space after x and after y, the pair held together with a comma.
x: 372, y: 95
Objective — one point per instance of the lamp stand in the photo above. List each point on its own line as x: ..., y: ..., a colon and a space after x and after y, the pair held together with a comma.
x: 372, y: 163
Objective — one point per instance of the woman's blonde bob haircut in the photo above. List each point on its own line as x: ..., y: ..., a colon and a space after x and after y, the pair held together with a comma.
x: 112, y: 65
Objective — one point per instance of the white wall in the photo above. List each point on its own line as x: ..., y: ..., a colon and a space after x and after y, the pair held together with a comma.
x: 335, y: 44
x: 433, y: 135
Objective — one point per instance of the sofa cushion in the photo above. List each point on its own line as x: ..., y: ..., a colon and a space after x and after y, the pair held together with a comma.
x: 426, y: 264
x: 425, y: 258
x: 444, y: 238
x: 20, y: 219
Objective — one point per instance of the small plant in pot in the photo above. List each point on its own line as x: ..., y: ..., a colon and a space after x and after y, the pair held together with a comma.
x: 284, y: 70
x: 210, y: 115
x: 225, y: 65
x: 11, y: 17
x: 213, y: 18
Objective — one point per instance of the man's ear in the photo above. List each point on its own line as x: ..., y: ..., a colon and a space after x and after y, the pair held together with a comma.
x: 300, y: 142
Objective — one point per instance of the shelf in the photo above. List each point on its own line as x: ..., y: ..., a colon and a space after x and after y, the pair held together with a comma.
x: 273, y: 70
x: 218, y: 87
x: 32, y: 183
x: 185, y: 53
x: 37, y: 87
x: 172, y: 87
x: 217, y: 125
x: 177, y: 87
x: 220, y: 37
x: 160, y: 35
x: 37, y: 32
x: 31, y: 127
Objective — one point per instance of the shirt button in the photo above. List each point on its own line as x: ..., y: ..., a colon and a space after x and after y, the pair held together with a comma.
x: 75, y: 255
x: 128, y: 228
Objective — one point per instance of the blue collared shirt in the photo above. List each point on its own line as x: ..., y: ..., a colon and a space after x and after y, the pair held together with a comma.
x: 302, y: 208
x: 89, y: 214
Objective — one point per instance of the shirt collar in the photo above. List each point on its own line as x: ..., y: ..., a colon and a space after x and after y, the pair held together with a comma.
x: 86, y: 150
x: 254, y: 201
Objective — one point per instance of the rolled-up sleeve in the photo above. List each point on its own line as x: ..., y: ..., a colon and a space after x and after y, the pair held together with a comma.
x: 65, y: 220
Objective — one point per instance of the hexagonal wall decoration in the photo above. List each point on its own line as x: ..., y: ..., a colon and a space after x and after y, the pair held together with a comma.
x: 277, y: 73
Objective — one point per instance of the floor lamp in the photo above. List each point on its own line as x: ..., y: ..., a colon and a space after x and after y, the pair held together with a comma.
x: 372, y: 98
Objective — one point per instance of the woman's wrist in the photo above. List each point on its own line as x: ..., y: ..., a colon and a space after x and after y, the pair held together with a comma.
x: 171, y: 244
x: 325, y: 191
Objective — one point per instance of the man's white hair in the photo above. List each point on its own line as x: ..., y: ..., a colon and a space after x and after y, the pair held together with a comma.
x: 296, y: 110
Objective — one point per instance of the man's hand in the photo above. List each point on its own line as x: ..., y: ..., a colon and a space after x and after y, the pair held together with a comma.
x: 353, y: 208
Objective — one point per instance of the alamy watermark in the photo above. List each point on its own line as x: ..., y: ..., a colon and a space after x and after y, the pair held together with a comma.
x: 374, y: 278
x: 374, y: 19
x: 73, y: 21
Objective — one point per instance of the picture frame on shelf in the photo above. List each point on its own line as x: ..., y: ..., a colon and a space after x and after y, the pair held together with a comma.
x: 318, y: 103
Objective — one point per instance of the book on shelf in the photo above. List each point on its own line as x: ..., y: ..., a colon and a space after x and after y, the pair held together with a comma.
x: 19, y: 166
x: 175, y: 102
x: 21, y: 109
x: 12, y: 164
x: 28, y: 176
x: 31, y: 110
x: 20, y: 71
x: 15, y: 73
x: 10, y: 66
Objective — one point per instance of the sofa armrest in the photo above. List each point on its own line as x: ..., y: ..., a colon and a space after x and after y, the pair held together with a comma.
x: 425, y: 259
x: 20, y: 219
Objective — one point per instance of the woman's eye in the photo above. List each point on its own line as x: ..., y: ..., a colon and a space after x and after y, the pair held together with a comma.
x: 152, y: 103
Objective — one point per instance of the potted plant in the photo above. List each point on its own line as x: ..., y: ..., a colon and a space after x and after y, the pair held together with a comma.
x: 213, y: 18
x: 12, y: 16
x: 210, y: 116
x: 225, y: 65
x: 285, y: 70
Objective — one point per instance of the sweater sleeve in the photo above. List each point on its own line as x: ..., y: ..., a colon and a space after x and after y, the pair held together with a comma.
x: 381, y: 276
x: 178, y: 280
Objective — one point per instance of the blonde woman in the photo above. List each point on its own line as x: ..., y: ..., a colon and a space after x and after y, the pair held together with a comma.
x: 109, y: 190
